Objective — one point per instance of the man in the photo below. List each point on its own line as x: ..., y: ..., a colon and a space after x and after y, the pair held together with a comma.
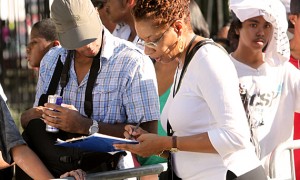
x: 43, y: 36
x: 101, y: 8
x: 124, y: 87
x: 119, y: 13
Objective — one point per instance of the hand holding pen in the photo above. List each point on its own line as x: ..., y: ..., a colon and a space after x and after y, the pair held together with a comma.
x: 136, y: 127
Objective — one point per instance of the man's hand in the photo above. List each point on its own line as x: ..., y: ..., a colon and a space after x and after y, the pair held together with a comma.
x: 78, y: 174
x: 66, y: 118
x: 32, y: 113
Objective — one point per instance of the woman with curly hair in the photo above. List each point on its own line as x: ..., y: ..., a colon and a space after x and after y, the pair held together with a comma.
x: 204, y: 115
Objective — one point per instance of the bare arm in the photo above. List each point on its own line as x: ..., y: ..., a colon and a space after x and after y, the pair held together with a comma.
x: 152, y: 144
x: 196, y: 143
x: 150, y: 126
x: 27, y: 160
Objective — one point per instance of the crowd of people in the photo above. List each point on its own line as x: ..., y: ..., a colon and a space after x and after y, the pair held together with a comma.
x: 212, y: 110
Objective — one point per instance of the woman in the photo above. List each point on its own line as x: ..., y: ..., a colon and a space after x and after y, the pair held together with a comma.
x: 270, y: 84
x: 206, y: 113
x: 165, y: 76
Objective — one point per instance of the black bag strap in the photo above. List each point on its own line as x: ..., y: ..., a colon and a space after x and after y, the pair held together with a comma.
x: 53, y: 83
x: 64, y: 76
x: 88, y: 102
x: 55, y: 78
x: 188, y: 57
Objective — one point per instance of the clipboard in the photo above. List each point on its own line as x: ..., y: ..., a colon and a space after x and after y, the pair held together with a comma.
x: 96, y: 142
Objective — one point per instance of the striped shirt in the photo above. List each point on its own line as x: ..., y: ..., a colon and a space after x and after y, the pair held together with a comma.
x: 125, y: 88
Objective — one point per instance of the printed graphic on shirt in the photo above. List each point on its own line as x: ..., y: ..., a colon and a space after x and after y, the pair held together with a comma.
x: 257, y: 103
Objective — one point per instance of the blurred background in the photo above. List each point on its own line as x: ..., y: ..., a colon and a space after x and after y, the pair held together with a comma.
x: 17, y: 17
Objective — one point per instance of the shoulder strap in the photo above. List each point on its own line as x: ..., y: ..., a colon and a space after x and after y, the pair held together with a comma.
x: 53, y: 83
x: 188, y: 59
x: 96, y: 66
x: 189, y: 56
x: 88, y: 102
x: 64, y: 76
x: 55, y: 77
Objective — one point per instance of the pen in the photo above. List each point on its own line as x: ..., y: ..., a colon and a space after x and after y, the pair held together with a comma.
x: 137, y: 126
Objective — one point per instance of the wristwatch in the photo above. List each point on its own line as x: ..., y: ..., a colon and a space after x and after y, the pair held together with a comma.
x: 174, y: 144
x: 94, y: 128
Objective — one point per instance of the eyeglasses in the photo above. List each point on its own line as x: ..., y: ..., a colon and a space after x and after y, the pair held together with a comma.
x: 154, y: 44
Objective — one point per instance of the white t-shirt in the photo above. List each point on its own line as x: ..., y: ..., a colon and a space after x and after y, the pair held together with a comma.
x: 123, y: 31
x: 208, y: 101
x: 274, y: 96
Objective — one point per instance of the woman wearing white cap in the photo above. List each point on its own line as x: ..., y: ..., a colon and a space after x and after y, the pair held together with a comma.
x: 270, y: 85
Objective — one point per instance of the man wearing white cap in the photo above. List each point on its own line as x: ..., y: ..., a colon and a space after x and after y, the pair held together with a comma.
x: 107, y: 80
x: 271, y: 85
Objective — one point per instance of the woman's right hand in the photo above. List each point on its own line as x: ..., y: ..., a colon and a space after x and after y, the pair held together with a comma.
x: 131, y: 133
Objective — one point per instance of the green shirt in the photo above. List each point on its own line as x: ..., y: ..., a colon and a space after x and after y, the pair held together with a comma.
x: 161, y: 132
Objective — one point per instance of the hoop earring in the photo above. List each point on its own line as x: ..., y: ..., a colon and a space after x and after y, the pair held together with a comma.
x: 180, y: 45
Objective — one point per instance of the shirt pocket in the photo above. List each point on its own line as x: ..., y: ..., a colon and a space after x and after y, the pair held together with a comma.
x: 106, y: 95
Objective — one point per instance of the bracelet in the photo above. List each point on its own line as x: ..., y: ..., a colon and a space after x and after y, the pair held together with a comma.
x: 174, y: 144
x: 174, y: 141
